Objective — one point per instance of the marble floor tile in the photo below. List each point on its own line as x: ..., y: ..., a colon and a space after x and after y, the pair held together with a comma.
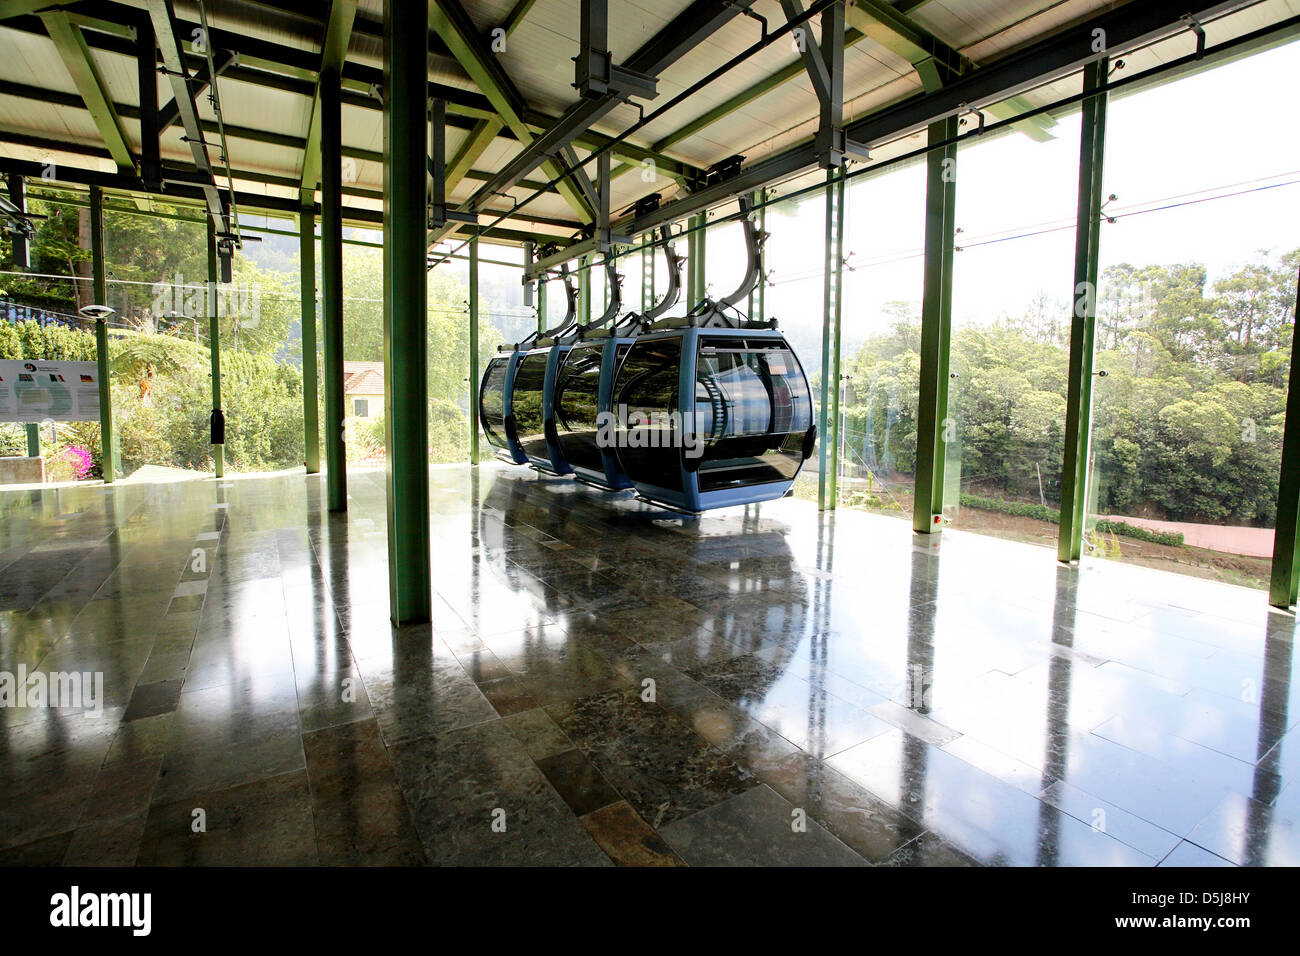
x: 266, y: 823
x: 604, y: 683
x: 361, y: 817
x: 756, y: 828
x: 627, y: 839
x: 654, y: 759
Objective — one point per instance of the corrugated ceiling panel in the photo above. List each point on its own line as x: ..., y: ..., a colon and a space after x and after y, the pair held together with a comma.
x: 260, y: 20
x: 28, y: 58
x: 52, y: 122
x: 537, y: 58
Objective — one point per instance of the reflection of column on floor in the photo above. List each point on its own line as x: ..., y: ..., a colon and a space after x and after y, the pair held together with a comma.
x: 1056, y: 757
x: 1274, y: 696
x: 822, y: 593
x: 923, y: 592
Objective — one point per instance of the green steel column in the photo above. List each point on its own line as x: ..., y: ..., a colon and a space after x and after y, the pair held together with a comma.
x: 99, y: 284
x: 406, y: 391
x: 473, y: 350
x: 1284, y: 585
x: 584, y: 290
x: 310, y: 372
x: 936, y: 328
x: 541, y: 304
x: 17, y: 241
x: 1083, y: 326
x: 695, y: 266
x: 828, y: 416
x: 331, y: 275
x: 691, y: 257
x: 33, y: 440
x: 214, y: 342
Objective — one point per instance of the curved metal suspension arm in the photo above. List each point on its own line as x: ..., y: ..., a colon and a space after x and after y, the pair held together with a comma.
x: 571, y: 310
x: 674, y: 291
x: 614, y: 282
x: 569, y: 322
x: 754, y: 240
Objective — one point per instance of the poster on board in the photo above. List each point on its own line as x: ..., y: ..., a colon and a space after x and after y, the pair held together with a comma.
x: 32, y: 390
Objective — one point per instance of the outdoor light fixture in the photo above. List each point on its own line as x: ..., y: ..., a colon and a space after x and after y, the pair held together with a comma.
x: 100, y: 313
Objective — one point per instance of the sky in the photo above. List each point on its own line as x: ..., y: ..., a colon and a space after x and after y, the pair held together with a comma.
x: 1221, y: 131
x: 1226, y: 130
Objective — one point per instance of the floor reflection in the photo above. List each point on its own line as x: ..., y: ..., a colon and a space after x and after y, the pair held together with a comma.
x: 626, y: 684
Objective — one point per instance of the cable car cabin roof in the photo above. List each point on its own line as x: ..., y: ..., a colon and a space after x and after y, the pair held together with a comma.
x: 82, y: 116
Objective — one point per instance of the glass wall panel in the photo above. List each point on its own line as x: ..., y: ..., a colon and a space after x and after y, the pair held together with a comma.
x: 1194, y: 327
x: 38, y: 319
x: 793, y: 260
x: 884, y: 237
x: 448, y: 363
x: 503, y: 320
x: 1017, y: 193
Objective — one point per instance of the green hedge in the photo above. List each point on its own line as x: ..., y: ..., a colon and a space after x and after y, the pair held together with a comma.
x: 54, y: 343
x: 1020, y: 509
x: 1172, y: 538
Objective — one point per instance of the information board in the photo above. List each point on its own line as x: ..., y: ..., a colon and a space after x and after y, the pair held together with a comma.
x: 39, y: 391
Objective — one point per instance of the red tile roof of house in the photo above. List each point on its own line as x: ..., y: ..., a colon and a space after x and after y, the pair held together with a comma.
x: 363, y: 378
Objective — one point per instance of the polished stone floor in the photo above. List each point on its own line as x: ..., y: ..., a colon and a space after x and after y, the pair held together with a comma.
x: 604, y: 683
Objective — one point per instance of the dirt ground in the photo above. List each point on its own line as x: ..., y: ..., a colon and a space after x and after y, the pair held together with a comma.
x: 1217, y: 566
x: 1242, y: 570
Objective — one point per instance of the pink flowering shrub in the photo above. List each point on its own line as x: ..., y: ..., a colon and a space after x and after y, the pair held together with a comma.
x: 80, y: 459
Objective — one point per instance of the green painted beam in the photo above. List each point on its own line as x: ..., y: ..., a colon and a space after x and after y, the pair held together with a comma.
x: 334, y: 50
x: 450, y: 21
x: 934, y: 60
x: 633, y: 154
x: 33, y: 440
x: 80, y: 64
x: 21, y: 8
x: 268, y: 64
x: 1035, y: 127
x: 310, y: 369
x: 1038, y: 128
x: 883, y: 24
x: 516, y: 15
x: 473, y: 146
x: 936, y: 329
x: 406, y: 386
x: 1284, y: 582
x: 214, y: 344
x: 752, y: 92
x: 1083, y: 325
x: 99, y: 291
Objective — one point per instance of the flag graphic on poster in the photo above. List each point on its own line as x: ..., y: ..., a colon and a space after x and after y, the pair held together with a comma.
x: 34, y: 391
